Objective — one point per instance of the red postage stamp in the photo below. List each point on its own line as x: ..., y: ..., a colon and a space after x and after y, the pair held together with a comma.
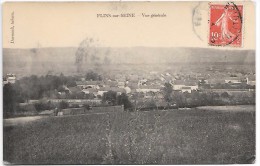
x: 225, y: 25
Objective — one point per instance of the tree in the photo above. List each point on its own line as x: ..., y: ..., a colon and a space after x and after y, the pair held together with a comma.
x: 167, y: 92
x: 107, y: 61
x: 80, y: 95
x: 151, y: 104
x: 123, y: 100
x: 207, y: 98
x: 109, y: 97
x: 20, y: 96
x: 61, y: 89
x: 63, y: 104
x: 179, y: 98
x: 35, y: 87
x: 41, y: 106
x: 87, y: 48
x: 70, y: 81
x: 225, y: 95
x: 93, y: 76
x: 75, y: 106
x: 62, y: 78
x: 86, y: 106
x: 9, y: 100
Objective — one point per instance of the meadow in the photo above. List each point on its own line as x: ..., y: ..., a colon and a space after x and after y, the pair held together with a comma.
x: 192, y: 136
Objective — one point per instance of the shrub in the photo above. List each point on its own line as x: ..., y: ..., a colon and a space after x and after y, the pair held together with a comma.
x: 74, y: 106
x: 63, y: 104
x: 86, y: 106
x: 43, y: 106
x: 225, y: 95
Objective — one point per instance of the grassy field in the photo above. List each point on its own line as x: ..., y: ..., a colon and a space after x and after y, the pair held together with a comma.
x: 194, y: 136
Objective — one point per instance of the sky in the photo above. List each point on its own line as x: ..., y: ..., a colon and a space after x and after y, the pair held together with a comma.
x: 67, y: 24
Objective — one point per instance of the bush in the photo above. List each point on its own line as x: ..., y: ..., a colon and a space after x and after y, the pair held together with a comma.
x: 109, y: 97
x: 26, y: 108
x: 93, y: 76
x: 225, y: 95
x: 86, y: 106
x: 74, y: 106
x: 63, y: 104
x: 123, y: 100
x: 44, y: 106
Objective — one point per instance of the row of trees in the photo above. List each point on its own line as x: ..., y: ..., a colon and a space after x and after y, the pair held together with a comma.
x: 38, y: 87
x: 41, y: 106
x: 16, y: 109
x: 93, y: 76
x: 178, y: 99
x: 10, y: 99
x: 197, y: 98
x: 35, y: 87
x: 243, y: 85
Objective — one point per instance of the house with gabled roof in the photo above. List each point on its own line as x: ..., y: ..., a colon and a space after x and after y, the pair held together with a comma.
x: 213, y: 81
x: 186, y: 89
x: 111, y: 83
x: 179, y: 84
x: 89, y: 84
x: 103, y: 90
x: 10, y: 78
x: 185, y: 85
x: 121, y: 84
x: 90, y: 91
x: 233, y: 80
x: 74, y: 89
x: 149, y: 88
x: 250, y: 80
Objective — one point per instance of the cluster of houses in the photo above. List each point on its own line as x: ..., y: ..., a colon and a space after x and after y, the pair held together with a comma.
x: 152, y: 82
x: 126, y: 86
x: 97, y: 88
x: 185, y: 85
x: 9, y: 78
x: 249, y: 80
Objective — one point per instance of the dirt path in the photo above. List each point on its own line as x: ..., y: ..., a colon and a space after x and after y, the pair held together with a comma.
x: 21, y: 120
x: 235, y: 108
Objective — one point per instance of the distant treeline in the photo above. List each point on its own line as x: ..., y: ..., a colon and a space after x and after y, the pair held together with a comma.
x: 35, y: 87
x: 177, y: 99
x: 32, y: 87
x: 242, y: 85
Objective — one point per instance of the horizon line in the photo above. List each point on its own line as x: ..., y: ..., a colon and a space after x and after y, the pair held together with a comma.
x: 212, y: 47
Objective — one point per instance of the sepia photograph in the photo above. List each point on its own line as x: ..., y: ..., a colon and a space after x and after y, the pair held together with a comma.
x: 129, y: 83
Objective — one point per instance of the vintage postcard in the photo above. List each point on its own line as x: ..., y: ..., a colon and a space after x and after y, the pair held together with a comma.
x: 129, y: 82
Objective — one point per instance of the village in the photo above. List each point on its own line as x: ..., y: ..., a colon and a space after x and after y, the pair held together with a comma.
x: 144, y: 90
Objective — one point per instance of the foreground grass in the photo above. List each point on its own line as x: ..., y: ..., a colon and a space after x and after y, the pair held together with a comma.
x: 158, y: 137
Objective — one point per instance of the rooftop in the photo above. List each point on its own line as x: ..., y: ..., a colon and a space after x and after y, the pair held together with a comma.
x: 186, y: 82
x: 89, y: 82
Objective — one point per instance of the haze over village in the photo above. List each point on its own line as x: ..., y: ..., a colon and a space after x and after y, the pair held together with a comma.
x: 143, y: 74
